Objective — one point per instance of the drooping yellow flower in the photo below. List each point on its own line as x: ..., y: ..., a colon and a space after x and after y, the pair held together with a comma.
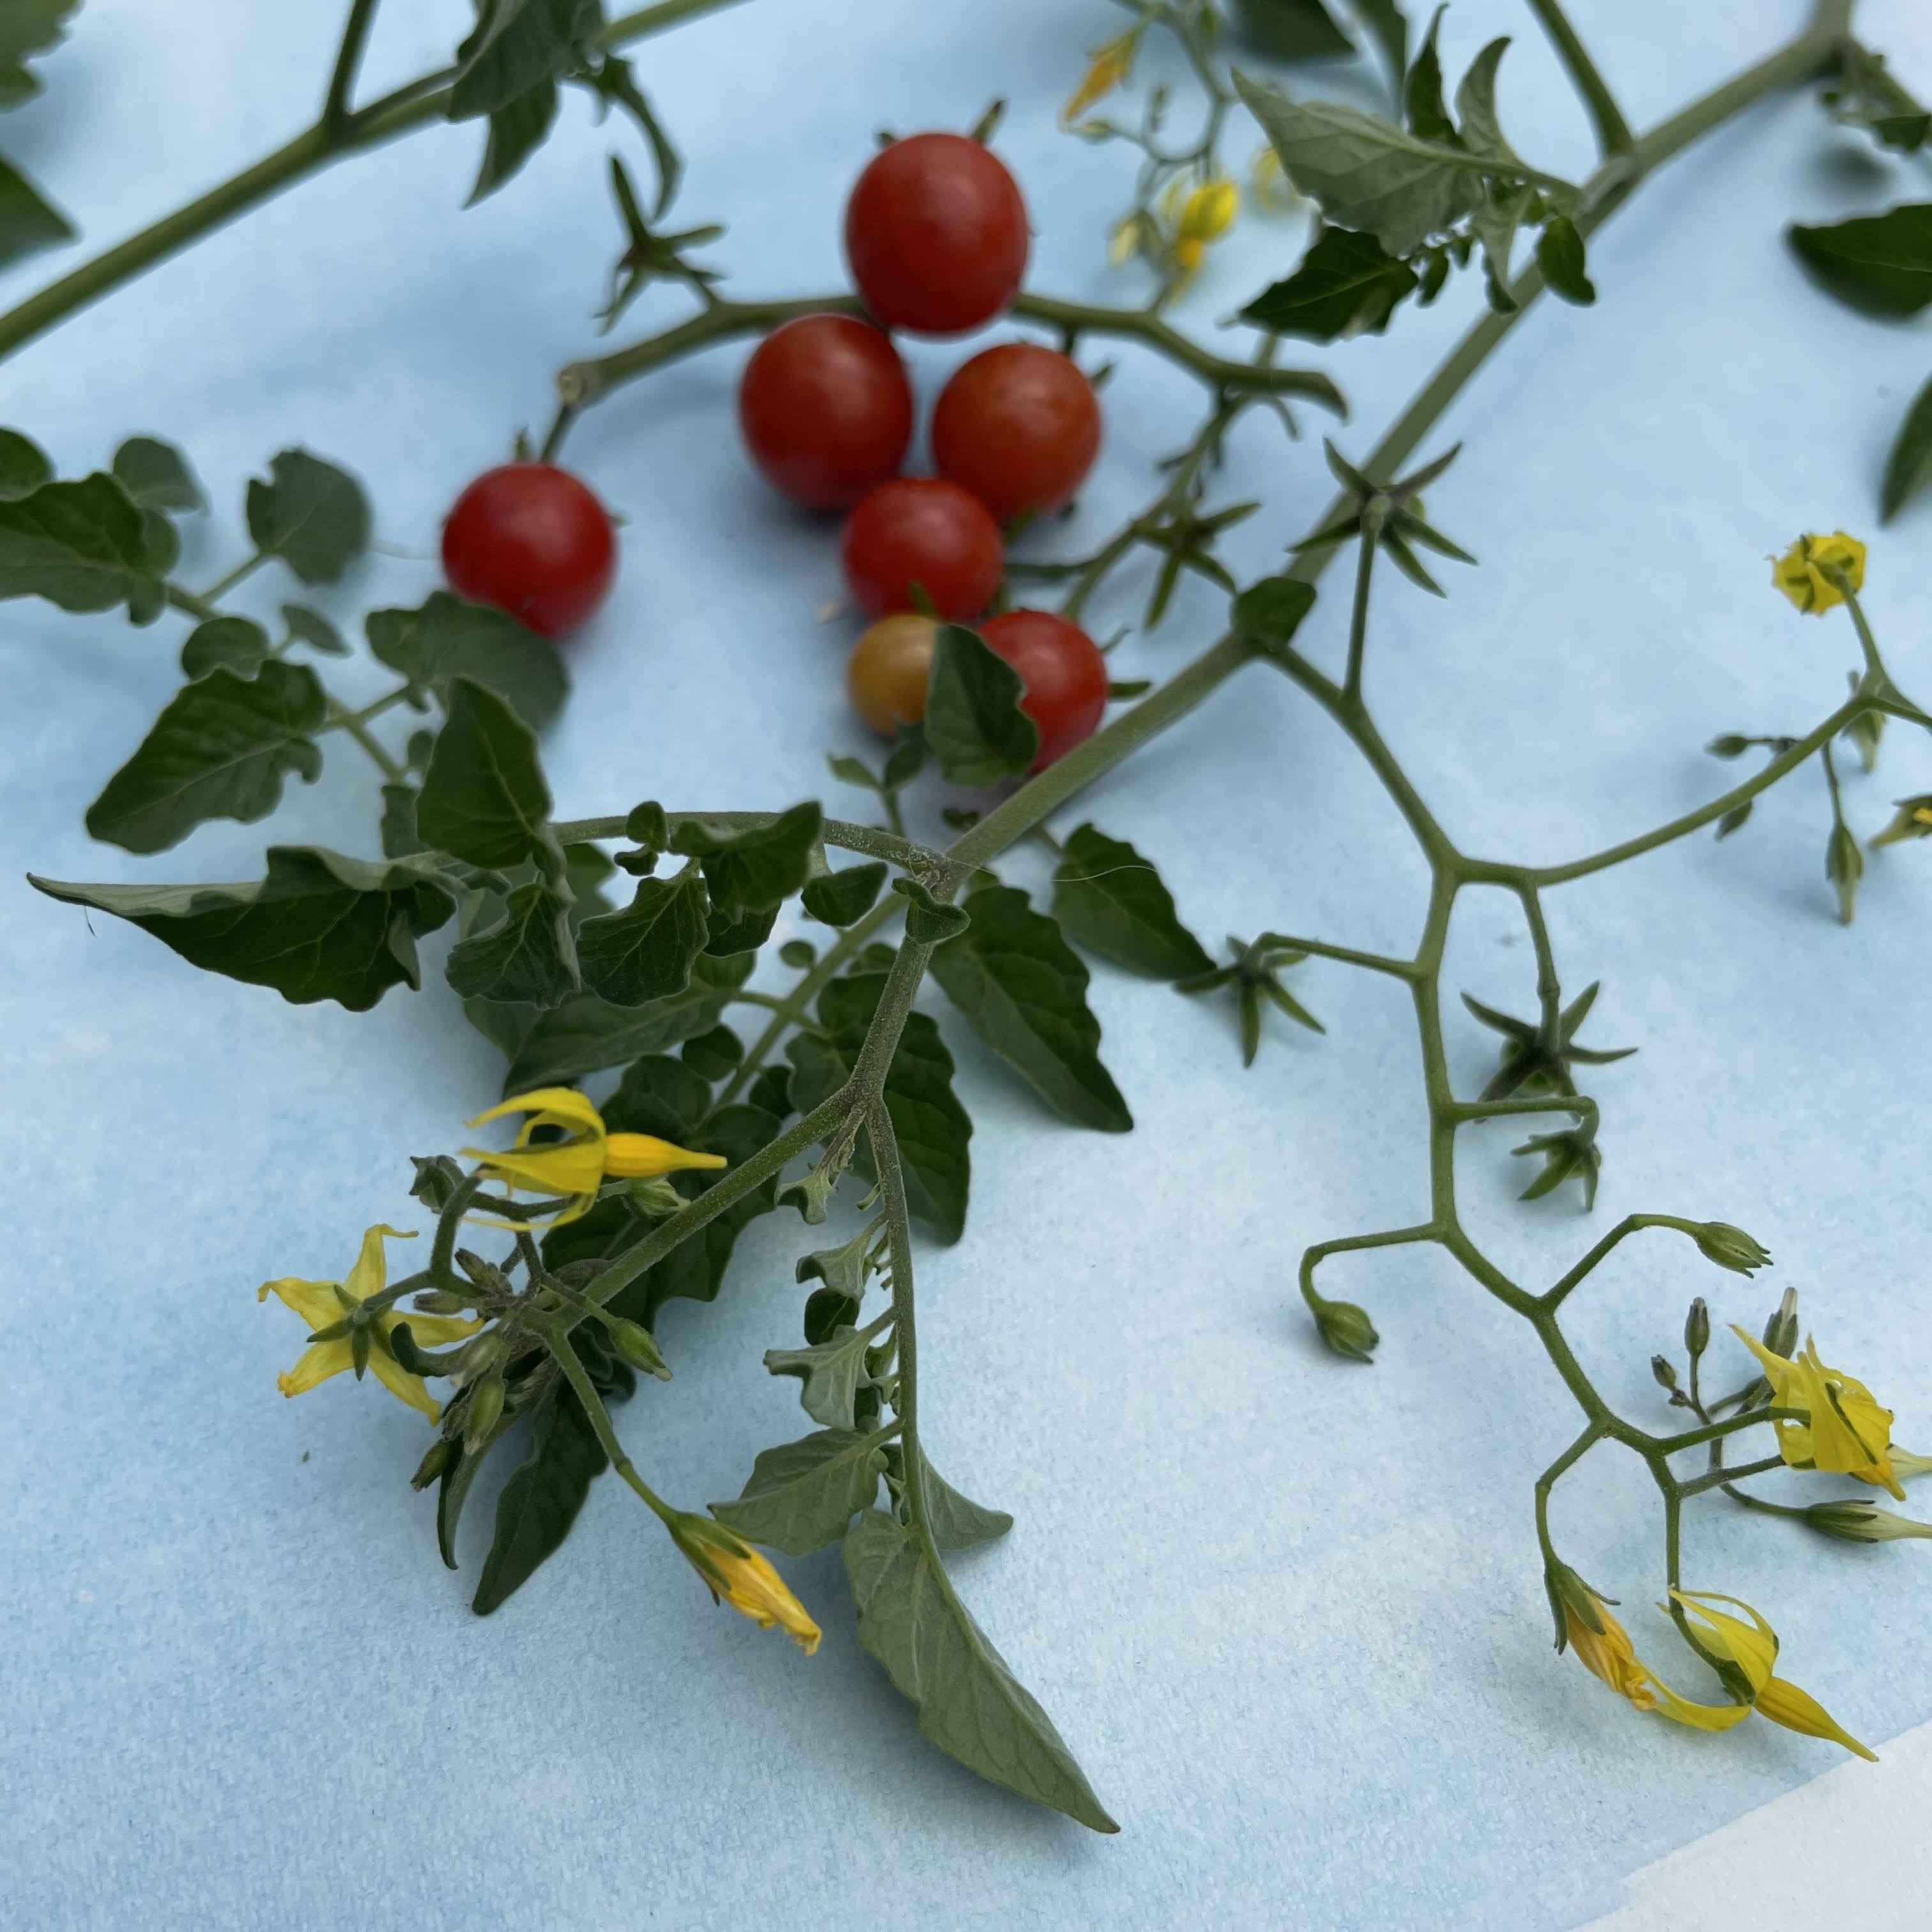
x: 1804, y: 572
x: 1107, y: 67
x: 1610, y: 1656
x: 1197, y: 217
x: 1752, y: 1648
x: 576, y: 1166
x: 1269, y: 187
x: 1845, y: 1431
x: 322, y: 1304
x: 733, y: 1571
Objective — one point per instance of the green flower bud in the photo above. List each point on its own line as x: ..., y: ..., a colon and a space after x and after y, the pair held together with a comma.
x: 1347, y: 1330
x: 1780, y: 1332
x: 1854, y: 1521
x: 1570, y: 1598
x: 441, y: 1301
x: 636, y: 1345
x: 1697, y: 1328
x: 1730, y: 1248
x: 1666, y: 1376
x: 432, y: 1465
x: 655, y: 1196
x: 486, y: 1406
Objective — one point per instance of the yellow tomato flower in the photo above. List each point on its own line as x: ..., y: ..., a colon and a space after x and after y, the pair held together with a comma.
x: 322, y: 1304
x: 1198, y: 216
x: 1125, y: 243
x: 1803, y: 573
x: 1109, y: 66
x: 733, y: 1571
x: 1752, y: 1648
x: 1609, y: 1656
x: 1845, y: 1431
x: 576, y: 1166
x: 1269, y: 187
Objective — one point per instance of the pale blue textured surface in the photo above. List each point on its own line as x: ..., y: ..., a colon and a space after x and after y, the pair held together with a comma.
x: 1287, y: 1612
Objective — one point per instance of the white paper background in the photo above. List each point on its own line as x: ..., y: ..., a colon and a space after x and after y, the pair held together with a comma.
x: 1288, y: 1613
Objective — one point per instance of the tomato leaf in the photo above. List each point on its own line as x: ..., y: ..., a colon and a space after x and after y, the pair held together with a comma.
x: 970, y: 1703
x: 645, y: 951
x: 1023, y: 989
x: 540, y: 1500
x: 842, y: 898
x: 801, y: 1496
x: 484, y: 798
x: 517, y: 45
x: 312, y: 515
x: 974, y: 726
x: 238, y: 644
x: 1111, y: 900
x: 1910, y: 464
x: 755, y: 870
x: 1881, y: 263
x: 27, y: 27
x: 956, y: 1521
x: 319, y: 926
x: 447, y: 639
x: 527, y: 957
x: 220, y: 749
x: 80, y: 545
x: 24, y: 466
x: 1348, y: 284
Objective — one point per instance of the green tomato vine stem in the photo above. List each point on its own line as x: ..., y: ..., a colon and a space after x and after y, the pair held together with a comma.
x: 337, y: 134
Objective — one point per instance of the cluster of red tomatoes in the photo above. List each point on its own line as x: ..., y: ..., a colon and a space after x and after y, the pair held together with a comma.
x: 936, y: 238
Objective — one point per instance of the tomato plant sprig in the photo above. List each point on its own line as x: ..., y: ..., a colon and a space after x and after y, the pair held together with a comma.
x: 618, y: 1206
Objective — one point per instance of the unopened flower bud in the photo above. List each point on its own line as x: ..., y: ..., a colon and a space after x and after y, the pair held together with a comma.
x: 432, y: 1465
x: 441, y: 1301
x: 637, y: 1346
x: 1854, y: 1521
x: 654, y: 1196
x: 1697, y: 1328
x: 1347, y: 1330
x: 1780, y: 1332
x: 1572, y: 1602
x: 1666, y: 1376
x: 1730, y: 1248
x: 486, y: 1406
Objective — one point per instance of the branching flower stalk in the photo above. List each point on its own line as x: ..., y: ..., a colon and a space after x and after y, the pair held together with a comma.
x: 845, y: 1064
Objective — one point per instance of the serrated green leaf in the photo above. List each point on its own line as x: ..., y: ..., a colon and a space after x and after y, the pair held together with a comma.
x: 1882, y: 263
x: 1347, y: 285
x: 220, y: 749
x: 645, y: 951
x: 974, y: 726
x: 841, y: 898
x: 447, y: 639
x: 540, y: 1500
x: 311, y: 628
x: 517, y: 129
x: 586, y: 1034
x: 801, y: 1496
x: 80, y: 545
x: 484, y: 798
x: 238, y: 644
x: 312, y: 515
x: 1909, y: 465
x: 1560, y: 255
x: 319, y: 926
x: 399, y: 837
x: 1023, y: 990
x: 933, y: 1129
x: 1367, y: 173
x: 754, y: 871
x: 970, y: 1703
x: 526, y: 958
x: 832, y: 1373
x: 28, y: 222
x: 1110, y: 899
x: 27, y: 28
x: 515, y: 45
x: 24, y: 466
x: 157, y: 475
x: 1481, y: 130
x: 1422, y: 88
x: 956, y: 1521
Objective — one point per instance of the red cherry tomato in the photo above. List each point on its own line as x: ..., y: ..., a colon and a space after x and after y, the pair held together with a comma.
x: 825, y: 409
x: 936, y: 235
x: 1064, y: 675
x: 1018, y: 426
x: 922, y: 530
x: 531, y: 539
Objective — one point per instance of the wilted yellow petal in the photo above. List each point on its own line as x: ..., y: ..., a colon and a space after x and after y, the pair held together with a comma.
x: 567, y: 1102
x: 1699, y: 1717
x: 1752, y: 1647
x: 1609, y: 1656
x: 639, y: 1157
x: 1783, y: 1703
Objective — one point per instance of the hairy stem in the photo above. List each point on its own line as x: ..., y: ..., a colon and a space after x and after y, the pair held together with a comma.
x: 1613, y: 133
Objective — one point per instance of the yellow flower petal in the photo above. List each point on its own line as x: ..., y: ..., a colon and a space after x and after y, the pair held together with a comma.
x: 370, y: 1274
x: 563, y: 1167
x: 432, y: 1331
x: 315, y: 1364
x: 575, y: 1108
x: 315, y: 1301
x: 1752, y: 1647
x: 1784, y: 1703
x: 1610, y: 1656
x: 638, y: 1156
x: 1699, y: 1717
x: 399, y: 1381
x: 1209, y: 210
x: 1109, y: 66
x: 733, y: 1569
